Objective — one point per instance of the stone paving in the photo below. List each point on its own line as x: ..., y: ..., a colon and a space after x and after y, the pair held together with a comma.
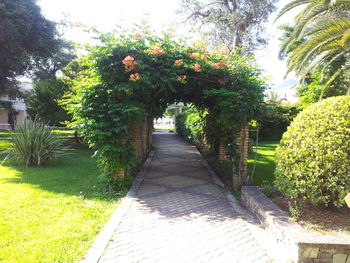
x: 180, y: 215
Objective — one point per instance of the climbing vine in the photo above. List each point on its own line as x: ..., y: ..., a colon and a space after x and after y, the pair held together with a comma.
x: 132, y: 74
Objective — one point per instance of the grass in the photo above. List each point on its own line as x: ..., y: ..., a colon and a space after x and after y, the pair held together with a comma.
x: 265, y: 165
x: 52, y: 213
x: 5, y: 134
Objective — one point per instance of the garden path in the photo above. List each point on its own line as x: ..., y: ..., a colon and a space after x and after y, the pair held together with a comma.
x: 181, y: 215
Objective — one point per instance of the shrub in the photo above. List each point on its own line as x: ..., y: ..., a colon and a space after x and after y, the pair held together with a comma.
x: 189, y: 125
x: 274, y: 122
x: 313, y: 163
x: 34, y: 145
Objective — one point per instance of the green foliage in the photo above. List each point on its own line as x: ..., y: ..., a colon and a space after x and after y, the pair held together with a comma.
x: 314, y: 88
x: 189, y: 125
x: 132, y: 74
x: 42, y: 101
x: 25, y: 37
x: 274, y: 122
x: 319, y: 41
x: 34, y: 145
x: 313, y: 163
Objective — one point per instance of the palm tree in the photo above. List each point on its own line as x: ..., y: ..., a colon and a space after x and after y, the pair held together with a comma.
x: 322, y: 31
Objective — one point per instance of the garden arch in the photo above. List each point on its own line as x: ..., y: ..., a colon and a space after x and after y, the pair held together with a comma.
x: 130, y: 79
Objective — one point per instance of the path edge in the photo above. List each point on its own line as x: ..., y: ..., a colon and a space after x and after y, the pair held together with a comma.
x: 234, y: 203
x: 96, y: 250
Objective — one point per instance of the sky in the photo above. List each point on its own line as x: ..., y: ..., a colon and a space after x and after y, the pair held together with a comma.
x: 106, y: 15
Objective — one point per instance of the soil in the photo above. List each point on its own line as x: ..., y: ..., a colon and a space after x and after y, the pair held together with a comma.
x: 319, y: 219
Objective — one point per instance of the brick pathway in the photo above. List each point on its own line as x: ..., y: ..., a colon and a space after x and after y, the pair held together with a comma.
x: 181, y: 216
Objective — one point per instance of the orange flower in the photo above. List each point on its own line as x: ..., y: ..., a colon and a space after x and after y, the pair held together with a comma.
x: 156, y: 50
x: 197, y: 67
x: 129, y: 63
x: 182, y: 79
x: 219, y: 65
x: 135, y: 77
x: 193, y: 56
x: 179, y: 62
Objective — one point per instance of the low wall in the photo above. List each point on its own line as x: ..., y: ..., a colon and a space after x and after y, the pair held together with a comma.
x: 293, y: 242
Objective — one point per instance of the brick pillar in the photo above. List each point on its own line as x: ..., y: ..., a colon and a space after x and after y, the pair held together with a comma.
x: 137, y: 140
x: 120, y: 173
x: 149, y: 133
x: 222, y: 152
x: 240, y: 177
x: 144, y: 133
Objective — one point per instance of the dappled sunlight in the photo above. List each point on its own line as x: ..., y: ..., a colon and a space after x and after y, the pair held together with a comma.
x: 51, y: 213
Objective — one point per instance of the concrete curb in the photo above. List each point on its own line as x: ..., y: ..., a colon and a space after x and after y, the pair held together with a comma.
x: 234, y: 203
x: 96, y: 250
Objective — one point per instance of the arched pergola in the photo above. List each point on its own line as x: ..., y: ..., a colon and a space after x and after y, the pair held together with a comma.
x: 130, y: 79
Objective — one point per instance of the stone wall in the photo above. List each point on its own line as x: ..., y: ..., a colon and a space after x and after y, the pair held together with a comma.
x: 293, y: 242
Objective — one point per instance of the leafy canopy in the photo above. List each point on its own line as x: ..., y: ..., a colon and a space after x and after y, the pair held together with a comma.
x: 318, y: 42
x: 132, y: 74
x: 25, y: 36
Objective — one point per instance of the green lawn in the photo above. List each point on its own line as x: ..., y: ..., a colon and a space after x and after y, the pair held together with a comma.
x: 4, y: 133
x: 265, y: 165
x: 53, y: 213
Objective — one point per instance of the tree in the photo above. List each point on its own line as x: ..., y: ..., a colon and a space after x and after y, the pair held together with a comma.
x: 25, y: 36
x: 42, y: 100
x: 319, y: 42
x: 230, y: 22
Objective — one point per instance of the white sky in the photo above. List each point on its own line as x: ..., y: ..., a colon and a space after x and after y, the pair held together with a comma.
x: 105, y: 15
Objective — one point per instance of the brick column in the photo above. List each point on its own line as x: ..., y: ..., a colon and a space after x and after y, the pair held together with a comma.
x: 120, y: 173
x: 144, y: 130
x: 240, y: 178
x: 137, y: 140
x: 222, y: 152
x: 149, y: 133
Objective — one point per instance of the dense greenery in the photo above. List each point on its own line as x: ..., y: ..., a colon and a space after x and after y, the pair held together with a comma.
x: 26, y: 36
x: 274, y: 122
x: 133, y: 74
x: 43, y: 101
x: 52, y: 214
x: 190, y: 125
x: 318, y: 43
x: 230, y: 23
x: 34, y: 144
x: 313, y: 159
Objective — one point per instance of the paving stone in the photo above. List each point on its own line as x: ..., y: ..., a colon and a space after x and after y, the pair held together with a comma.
x: 180, y: 215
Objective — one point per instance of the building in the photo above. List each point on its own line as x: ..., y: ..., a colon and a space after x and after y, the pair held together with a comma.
x: 18, y: 105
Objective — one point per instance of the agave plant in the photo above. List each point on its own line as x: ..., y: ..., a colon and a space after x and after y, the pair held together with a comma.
x: 34, y: 144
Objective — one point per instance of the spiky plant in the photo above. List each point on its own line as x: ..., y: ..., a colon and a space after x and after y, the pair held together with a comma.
x: 34, y: 144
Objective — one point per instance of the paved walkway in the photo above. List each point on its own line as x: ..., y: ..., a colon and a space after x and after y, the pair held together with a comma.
x: 181, y: 216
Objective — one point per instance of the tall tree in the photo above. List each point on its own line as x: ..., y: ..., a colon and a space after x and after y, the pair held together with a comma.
x: 230, y: 22
x: 48, y: 88
x: 319, y: 42
x: 25, y: 36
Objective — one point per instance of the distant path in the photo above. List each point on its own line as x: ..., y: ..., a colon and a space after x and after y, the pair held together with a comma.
x: 181, y: 216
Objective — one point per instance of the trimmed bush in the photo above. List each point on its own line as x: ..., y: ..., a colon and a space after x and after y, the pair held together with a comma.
x: 189, y: 125
x: 34, y: 145
x: 313, y: 159
x: 274, y: 122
